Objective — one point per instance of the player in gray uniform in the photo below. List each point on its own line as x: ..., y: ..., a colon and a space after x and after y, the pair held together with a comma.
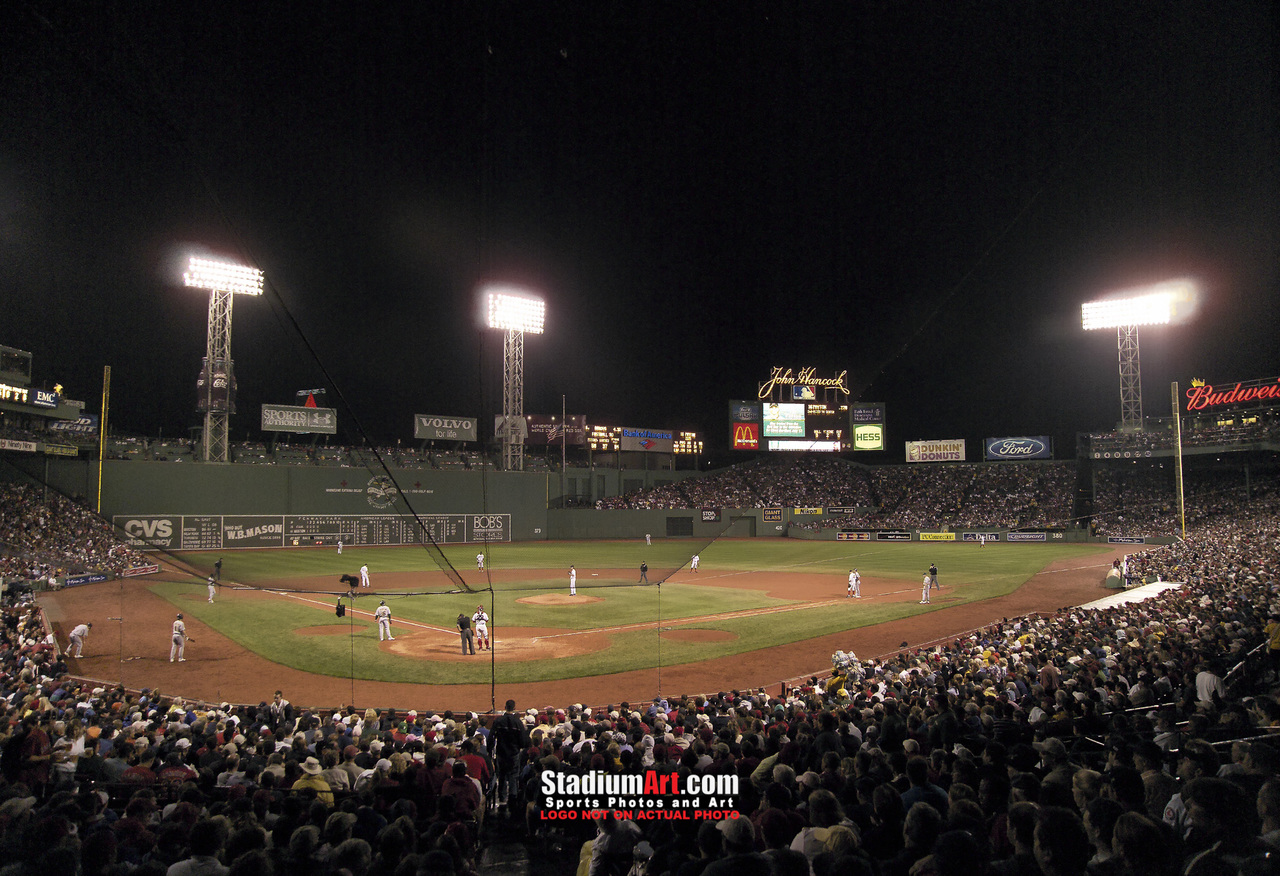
x: 179, y: 641
x: 78, y: 635
x: 383, y: 615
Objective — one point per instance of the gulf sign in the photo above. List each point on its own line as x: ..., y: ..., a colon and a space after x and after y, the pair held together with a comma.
x: 942, y: 450
x: 1006, y: 449
x: 746, y: 436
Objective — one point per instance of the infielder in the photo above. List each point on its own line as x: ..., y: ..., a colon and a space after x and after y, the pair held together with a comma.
x: 212, y: 589
x: 855, y: 584
x: 573, y: 581
x: 693, y: 564
x: 383, y: 615
x: 480, y: 562
x: 364, y: 576
x: 77, y: 638
x: 179, y: 640
x: 924, y: 589
x: 480, y: 620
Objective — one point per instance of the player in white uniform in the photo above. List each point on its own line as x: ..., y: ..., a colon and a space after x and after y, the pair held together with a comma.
x: 573, y: 581
x: 179, y: 641
x: 480, y: 562
x: 855, y: 584
x: 212, y: 588
x: 339, y: 547
x: 77, y: 638
x: 924, y: 589
x: 364, y: 576
x: 693, y: 564
x: 480, y: 620
x: 383, y: 616
x: 648, y: 539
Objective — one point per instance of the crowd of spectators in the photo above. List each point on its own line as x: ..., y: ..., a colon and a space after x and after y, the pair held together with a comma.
x: 1161, y: 436
x: 44, y: 535
x: 1006, y: 495
x: 1144, y: 500
x: 1134, y: 739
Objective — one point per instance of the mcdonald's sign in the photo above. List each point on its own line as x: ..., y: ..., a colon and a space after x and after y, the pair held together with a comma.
x: 746, y: 436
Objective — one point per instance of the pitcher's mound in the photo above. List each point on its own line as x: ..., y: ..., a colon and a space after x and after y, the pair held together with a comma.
x: 558, y: 599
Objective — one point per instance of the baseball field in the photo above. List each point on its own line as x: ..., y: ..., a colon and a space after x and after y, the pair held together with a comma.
x: 757, y: 612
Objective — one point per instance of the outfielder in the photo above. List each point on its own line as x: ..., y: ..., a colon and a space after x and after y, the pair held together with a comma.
x: 339, y: 547
x: 573, y: 581
x: 179, y: 640
x: 480, y: 620
x: 855, y: 584
x: 383, y: 615
x: 480, y: 562
x: 364, y: 576
x: 77, y: 638
x: 693, y: 564
x: 924, y: 589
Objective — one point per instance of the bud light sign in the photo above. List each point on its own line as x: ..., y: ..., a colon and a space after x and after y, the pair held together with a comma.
x: 1014, y: 449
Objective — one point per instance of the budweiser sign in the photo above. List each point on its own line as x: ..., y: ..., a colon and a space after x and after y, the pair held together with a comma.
x: 1202, y: 396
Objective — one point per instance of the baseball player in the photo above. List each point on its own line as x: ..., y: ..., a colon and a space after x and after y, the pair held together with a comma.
x: 480, y: 562
x: 924, y: 589
x: 693, y: 564
x: 480, y: 620
x: 339, y: 547
x: 77, y: 638
x: 212, y: 588
x: 573, y: 581
x: 364, y: 576
x: 855, y: 585
x: 648, y: 539
x: 179, y: 640
x: 383, y: 616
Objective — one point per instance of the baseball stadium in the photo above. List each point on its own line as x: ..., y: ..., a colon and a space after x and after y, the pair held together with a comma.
x: 812, y: 545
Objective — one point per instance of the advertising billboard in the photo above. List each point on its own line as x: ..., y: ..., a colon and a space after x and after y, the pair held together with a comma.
x: 438, y: 427
x: 291, y: 418
x: 86, y: 424
x: 549, y: 429
x: 746, y: 436
x: 744, y: 411
x: 216, y: 386
x: 866, y: 424
x: 941, y: 450
x: 1016, y: 449
x: 1203, y: 396
x: 783, y: 420
x: 647, y: 440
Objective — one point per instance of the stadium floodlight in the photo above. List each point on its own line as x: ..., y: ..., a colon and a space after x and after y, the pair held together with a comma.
x: 515, y: 312
x: 223, y: 280
x: 1161, y: 304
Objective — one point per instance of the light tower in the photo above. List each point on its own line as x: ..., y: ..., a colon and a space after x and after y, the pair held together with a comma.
x: 216, y: 387
x: 515, y: 312
x: 1155, y: 305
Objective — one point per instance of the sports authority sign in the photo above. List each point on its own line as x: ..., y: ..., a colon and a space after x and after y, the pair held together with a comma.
x: 437, y: 427
x: 943, y: 450
x: 293, y: 418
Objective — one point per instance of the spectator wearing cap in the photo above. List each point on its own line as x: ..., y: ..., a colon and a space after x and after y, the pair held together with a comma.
x: 613, y: 844
x: 1053, y: 761
x: 464, y: 790
x: 738, y: 856
x: 312, y: 781
x: 1196, y: 759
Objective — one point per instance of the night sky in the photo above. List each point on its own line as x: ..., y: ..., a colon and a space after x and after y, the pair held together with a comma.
x: 920, y: 193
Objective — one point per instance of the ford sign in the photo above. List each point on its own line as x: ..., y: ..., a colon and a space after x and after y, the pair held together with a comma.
x: 1005, y: 449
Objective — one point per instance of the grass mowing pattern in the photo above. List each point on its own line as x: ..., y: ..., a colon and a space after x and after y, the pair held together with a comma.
x: 268, y: 628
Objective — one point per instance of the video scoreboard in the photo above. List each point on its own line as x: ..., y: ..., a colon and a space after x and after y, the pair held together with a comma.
x: 814, y: 427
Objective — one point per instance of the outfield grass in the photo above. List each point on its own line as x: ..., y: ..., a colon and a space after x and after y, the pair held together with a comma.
x: 272, y: 630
